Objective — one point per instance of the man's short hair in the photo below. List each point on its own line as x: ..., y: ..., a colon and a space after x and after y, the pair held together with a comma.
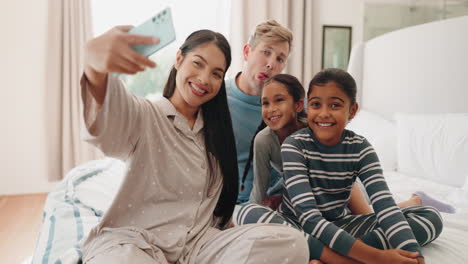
x: 270, y: 31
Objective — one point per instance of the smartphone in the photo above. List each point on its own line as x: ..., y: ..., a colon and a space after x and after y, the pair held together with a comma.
x: 160, y: 26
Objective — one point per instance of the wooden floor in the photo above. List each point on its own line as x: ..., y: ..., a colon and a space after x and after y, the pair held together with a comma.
x: 20, y: 220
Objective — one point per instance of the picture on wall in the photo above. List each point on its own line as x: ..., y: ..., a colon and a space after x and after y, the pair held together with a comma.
x: 336, y: 46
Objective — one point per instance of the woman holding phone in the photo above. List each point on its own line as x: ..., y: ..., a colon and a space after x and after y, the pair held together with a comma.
x: 181, y: 185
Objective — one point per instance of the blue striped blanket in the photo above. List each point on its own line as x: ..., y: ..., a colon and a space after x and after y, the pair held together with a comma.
x: 74, y: 208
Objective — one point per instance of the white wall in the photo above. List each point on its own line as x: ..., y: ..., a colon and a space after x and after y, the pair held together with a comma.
x: 22, y: 70
x: 339, y: 13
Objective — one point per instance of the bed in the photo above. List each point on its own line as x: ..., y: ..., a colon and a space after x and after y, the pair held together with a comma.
x: 413, y: 110
x: 86, y: 192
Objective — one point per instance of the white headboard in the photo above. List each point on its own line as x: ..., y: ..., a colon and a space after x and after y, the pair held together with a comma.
x: 421, y: 69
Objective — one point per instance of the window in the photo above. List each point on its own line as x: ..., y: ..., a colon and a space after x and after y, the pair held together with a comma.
x: 188, y: 16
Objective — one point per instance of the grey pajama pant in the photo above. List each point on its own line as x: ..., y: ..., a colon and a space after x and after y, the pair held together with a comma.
x: 257, y: 243
x: 425, y: 222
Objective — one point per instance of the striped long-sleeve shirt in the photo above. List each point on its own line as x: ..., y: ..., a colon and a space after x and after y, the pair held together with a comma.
x: 318, y: 182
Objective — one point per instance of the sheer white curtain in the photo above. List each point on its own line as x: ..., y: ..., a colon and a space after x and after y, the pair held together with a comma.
x: 294, y: 14
x: 69, y: 28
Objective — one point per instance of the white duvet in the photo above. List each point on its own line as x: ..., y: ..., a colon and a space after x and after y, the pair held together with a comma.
x: 452, y: 245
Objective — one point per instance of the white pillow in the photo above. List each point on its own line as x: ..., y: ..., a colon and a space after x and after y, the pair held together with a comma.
x: 380, y: 132
x: 434, y: 147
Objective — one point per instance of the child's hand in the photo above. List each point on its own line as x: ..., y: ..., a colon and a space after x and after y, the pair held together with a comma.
x: 273, y: 201
x: 398, y: 256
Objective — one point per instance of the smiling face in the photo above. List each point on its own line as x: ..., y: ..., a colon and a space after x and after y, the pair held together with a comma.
x: 263, y: 61
x: 199, y: 77
x: 329, y: 110
x: 279, y: 110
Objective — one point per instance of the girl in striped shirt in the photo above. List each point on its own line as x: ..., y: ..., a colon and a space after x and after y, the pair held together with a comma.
x: 321, y: 162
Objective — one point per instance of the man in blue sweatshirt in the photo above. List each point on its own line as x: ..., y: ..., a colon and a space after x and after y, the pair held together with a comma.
x: 265, y: 55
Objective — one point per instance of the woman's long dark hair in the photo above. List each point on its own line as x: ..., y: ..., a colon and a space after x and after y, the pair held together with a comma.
x: 296, y: 90
x: 249, y: 160
x: 218, y: 133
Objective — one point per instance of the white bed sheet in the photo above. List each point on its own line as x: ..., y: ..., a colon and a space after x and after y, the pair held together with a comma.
x: 452, y: 244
